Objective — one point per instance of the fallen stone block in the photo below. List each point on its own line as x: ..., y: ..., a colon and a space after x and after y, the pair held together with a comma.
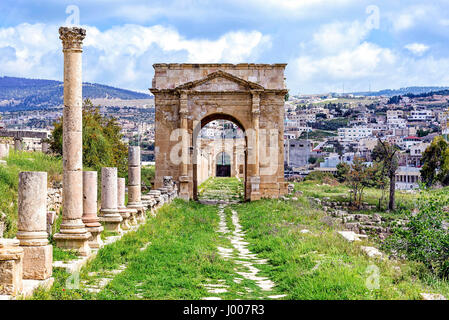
x: 372, y: 252
x: 351, y: 236
x: 432, y: 296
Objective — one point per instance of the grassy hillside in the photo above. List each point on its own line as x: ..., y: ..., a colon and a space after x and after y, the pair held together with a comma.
x: 9, y: 180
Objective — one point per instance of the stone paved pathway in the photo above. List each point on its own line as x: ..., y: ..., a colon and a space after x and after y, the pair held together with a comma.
x: 98, y: 280
x: 245, y: 260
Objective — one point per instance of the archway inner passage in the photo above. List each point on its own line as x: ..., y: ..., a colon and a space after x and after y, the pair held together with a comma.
x: 223, y: 167
x: 220, y: 169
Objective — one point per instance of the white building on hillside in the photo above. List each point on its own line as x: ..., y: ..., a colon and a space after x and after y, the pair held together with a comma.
x: 354, y: 133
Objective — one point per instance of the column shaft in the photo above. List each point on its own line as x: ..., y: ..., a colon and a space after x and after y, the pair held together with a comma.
x: 32, y: 226
x: 90, y: 208
x: 134, y: 183
x: 109, y: 214
x: 73, y: 234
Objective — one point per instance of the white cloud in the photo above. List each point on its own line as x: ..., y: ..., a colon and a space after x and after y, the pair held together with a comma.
x: 298, y: 4
x: 29, y: 45
x: 361, y: 61
x: 411, y: 16
x: 337, y: 36
x: 417, y: 48
x: 340, y: 53
x: 122, y: 55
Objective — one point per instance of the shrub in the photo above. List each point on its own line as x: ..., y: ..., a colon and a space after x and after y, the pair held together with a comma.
x: 320, y: 177
x: 147, y: 173
x: 423, y: 238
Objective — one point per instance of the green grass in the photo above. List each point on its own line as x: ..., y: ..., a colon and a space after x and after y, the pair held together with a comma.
x: 182, y: 256
x: 221, y: 188
x: 147, y: 173
x: 321, y: 264
x: 9, y: 181
x: 340, y: 193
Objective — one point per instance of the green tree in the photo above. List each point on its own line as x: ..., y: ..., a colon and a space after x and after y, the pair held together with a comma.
x: 342, y: 171
x: 386, y: 155
x: 436, y: 162
x: 102, y: 144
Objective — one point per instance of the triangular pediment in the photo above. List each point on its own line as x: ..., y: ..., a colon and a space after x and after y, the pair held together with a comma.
x: 220, y: 81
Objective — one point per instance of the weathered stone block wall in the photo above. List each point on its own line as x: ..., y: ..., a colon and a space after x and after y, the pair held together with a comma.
x: 272, y: 159
x: 170, y: 76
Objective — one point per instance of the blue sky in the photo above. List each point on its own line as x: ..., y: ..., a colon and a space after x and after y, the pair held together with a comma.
x: 327, y: 44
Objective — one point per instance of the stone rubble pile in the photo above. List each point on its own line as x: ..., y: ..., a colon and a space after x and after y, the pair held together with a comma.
x: 365, y: 224
x: 54, y: 199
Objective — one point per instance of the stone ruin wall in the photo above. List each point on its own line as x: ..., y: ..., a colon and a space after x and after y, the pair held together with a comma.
x: 170, y: 76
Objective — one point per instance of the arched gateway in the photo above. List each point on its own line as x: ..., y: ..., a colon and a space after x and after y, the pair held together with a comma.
x: 188, y: 96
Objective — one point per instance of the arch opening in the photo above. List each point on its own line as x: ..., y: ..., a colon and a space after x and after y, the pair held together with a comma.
x: 220, y: 159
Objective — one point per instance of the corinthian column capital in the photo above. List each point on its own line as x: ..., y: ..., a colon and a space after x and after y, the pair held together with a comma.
x: 72, y: 38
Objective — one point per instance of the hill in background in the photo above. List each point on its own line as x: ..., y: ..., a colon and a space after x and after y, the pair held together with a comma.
x: 32, y: 94
x: 401, y: 91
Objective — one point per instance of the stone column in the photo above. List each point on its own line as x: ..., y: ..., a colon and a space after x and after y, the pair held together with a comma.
x: 73, y: 234
x: 90, y: 207
x: 134, y: 185
x: 32, y: 226
x: 11, y: 267
x: 4, y: 150
x: 45, y: 146
x: 18, y: 144
x: 184, y: 179
x: 109, y: 214
x: 255, y: 178
x: 124, y: 212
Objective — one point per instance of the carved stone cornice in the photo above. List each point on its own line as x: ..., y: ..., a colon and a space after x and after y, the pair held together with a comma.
x: 72, y: 38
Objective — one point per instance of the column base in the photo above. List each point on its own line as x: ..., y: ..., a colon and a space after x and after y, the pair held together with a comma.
x: 111, y: 220
x: 184, y: 196
x: 95, y: 241
x: 184, y: 187
x: 140, y: 215
x: 77, y: 242
x: 132, y: 216
x: 254, y: 196
x: 37, y: 262
x: 11, y: 267
x: 125, y: 216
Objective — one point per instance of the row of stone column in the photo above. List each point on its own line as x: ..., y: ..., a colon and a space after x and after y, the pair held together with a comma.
x: 18, y: 146
x: 30, y: 256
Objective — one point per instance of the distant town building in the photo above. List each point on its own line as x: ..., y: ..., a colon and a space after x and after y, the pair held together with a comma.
x: 354, y: 133
x: 297, y: 152
x: 407, y: 178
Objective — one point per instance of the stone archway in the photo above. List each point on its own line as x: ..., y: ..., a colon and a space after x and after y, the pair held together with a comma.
x: 251, y: 95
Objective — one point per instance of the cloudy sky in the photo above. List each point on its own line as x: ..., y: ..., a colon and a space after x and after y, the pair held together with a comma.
x: 328, y: 44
